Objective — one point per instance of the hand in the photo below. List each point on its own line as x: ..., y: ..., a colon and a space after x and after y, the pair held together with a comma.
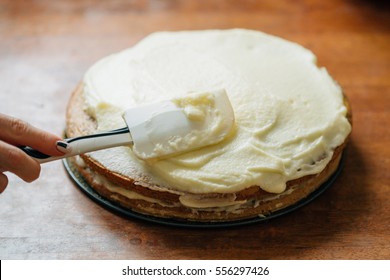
x: 13, y: 133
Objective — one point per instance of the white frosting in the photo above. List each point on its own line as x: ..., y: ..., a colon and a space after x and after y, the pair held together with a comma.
x: 289, y: 112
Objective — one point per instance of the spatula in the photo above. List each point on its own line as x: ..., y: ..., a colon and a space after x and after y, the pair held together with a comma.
x: 160, y: 129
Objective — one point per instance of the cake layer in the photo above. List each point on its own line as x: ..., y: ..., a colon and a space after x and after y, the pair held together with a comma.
x: 146, y: 198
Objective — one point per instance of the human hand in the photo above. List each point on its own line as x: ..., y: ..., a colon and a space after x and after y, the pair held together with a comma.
x: 14, y: 133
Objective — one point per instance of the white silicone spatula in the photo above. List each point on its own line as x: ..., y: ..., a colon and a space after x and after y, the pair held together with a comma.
x: 161, y: 129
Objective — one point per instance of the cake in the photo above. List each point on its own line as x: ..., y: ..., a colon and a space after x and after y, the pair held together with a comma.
x: 292, y: 123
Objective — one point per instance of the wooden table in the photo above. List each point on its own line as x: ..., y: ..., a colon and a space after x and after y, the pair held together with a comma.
x: 45, y: 48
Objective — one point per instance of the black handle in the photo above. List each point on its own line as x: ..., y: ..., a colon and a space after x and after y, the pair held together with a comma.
x: 34, y: 153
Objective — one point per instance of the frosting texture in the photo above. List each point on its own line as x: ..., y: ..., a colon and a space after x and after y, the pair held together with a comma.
x: 289, y: 113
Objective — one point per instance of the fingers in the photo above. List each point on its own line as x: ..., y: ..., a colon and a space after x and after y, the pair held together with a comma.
x: 14, y: 132
x: 16, y: 161
x: 3, y: 182
x: 20, y: 133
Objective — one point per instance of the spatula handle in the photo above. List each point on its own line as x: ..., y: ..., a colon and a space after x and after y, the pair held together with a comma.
x: 85, y: 144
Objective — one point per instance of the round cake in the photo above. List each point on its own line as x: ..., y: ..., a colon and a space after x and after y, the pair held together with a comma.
x: 292, y: 123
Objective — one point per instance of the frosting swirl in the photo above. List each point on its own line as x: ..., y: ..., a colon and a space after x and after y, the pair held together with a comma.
x: 289, y: 112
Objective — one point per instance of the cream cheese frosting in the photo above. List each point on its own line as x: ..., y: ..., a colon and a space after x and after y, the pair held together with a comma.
x: 289, y: 113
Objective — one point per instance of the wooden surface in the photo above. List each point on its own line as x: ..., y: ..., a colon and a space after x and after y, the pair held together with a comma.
x: 45, y: 48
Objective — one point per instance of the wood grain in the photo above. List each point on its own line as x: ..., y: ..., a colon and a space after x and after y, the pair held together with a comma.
x: 45, y: 48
